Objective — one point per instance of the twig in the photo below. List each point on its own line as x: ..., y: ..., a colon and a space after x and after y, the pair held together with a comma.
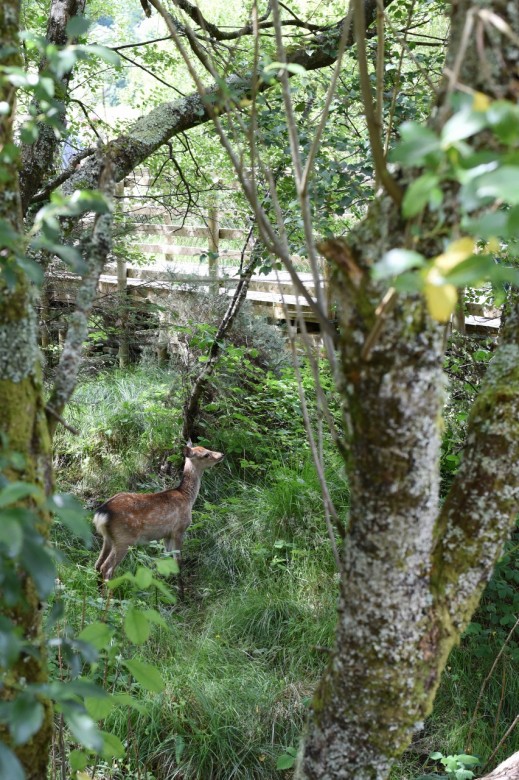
x: 377, y: 150
x: 151, y: 73
x: 379, y: 110
x: 60, y: 419
x: 485, y: 682
x: 502, y: 741
x: 500, y: 705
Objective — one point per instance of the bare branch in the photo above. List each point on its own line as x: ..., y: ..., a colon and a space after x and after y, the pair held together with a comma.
x: 150, y: 72
x: 262, y: 23
x: 374, y: 130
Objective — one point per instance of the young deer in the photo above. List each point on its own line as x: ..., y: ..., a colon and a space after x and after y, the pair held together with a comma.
x: 139, y: 518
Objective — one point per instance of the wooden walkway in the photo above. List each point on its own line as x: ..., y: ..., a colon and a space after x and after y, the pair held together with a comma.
x: 271, y: 295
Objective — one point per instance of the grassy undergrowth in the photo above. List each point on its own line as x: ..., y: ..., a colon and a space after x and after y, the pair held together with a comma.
x: 242, y: 652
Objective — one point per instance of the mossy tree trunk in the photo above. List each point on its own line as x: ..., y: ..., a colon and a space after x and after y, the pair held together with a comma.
x: 22, y: 415
x: 39, y: 158
x: 413, y: 570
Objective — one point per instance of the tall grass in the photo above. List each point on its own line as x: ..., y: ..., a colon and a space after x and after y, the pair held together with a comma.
x: 246, y: 646
x: 243, y: 651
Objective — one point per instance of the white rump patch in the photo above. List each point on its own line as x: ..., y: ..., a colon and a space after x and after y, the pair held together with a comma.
x: 100, y: 520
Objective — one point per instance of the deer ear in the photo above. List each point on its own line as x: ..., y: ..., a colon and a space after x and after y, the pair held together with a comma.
x: 189, y: 443
x: 187, y: 449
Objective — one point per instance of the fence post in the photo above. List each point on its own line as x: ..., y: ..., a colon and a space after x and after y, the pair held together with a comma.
x: 213, y: 225
x: 122, y: 296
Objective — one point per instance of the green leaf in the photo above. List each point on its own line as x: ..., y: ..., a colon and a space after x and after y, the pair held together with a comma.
x: 474, y: 269
x: 290, y: 67
x: 77, y: 25
x: 143, y: 577
x: 285, y: 761
x: 465, y: 758
x: 487, y: 226
x: 463, y: 774
x: 82, y: 726
x: 25, y: 719
x: 11, y: 533
x: 97, y: 634
x: 72, y: 514
x: 109, y: 56
x: 168, y: 595
x: 99, y: 707
x: 126, y: 577
x: 462, y: 125
x: 29, y: 133
x: 32, y: 269
x: 167, y: 566
x: 15, y: 491
x: 70, y: 256
x: 500, y: 184
x: 10, y: 767
x: 10, y: 644
x: 78, y: 760
x: 503, y: 117
x: 417, y: 144
x: 146, y: 674
x: 136, y: 626
x: 112, y: 746
x: 155, y: 617
x: 39, y: 563
x: 418, y: 193
x: 9, y: 238
x: 396, y: 261
x: 513, y: 222
x: 180, y: 745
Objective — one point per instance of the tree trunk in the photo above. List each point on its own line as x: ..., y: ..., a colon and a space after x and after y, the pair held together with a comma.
x: 413, y: 572
x: 22, y: 415
x: 508, y: 770
x: 38, y: 159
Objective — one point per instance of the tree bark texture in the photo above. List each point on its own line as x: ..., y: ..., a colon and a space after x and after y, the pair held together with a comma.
x: 95, y: 255
x: 22, y: 415
x: 39, y: 158
x: 413, y: 571
x: 508, y: 770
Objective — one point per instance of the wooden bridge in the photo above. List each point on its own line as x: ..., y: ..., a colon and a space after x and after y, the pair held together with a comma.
x: 177, y: 258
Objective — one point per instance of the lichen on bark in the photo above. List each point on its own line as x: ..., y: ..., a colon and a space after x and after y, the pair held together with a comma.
x: 22, y: 418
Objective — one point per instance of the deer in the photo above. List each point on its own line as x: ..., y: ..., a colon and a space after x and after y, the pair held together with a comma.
x: 138, y: 518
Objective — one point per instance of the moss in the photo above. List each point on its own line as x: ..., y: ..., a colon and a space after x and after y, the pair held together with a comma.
x: 18, y: 348
x: 17, y: 412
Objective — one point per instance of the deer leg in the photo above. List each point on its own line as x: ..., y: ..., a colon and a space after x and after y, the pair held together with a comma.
x: 105, y: 552
x: 112, y: 561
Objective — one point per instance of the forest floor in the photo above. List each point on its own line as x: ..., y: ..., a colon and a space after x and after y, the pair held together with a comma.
x: 241, y: 652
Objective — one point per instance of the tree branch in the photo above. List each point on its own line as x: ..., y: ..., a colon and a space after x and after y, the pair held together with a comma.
x: 217, y: 34
x: 70, y: 360
x: 38, y: 158
x: 374, y: 128
x: 166, y: 121
x: 63, y: 176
